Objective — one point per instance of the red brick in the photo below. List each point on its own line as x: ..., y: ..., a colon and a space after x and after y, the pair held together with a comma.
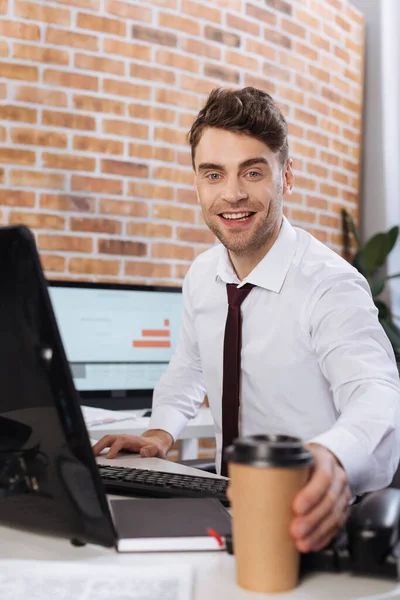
x: 125, y: 168
x: 340, y: 177
x: 317, y: 170
x: 304, y: 149
x: 122, y: 247
x: 15, y: 156
x: 290, y: 93
x: 318, y: 106
x: 38, y: 179
x: 72, y: 80
x: 221, y: 73
x: 3, y: 48
x: 293, y: 28
x: 198, y: 85
x: 260, y: 14
x: 66, y: 243
x: 151, y: 113
x: 147, y: 269
x: 316, y: 202
x: 149, y: 230
x: 3, y: 91
x: 17, y: 71
x: 275, y: 37
x: 264, y: 51
x: 320, y: 74
x: 90, y: 4
x: 125, y: 208
x: 67, y: 202
x: 275, y: 72
x: 23, y: 31
x: 320, y: 42
x: 174, y: 213
x: 329, y: 125
x: 304, y: 182
x: 329, y: 158
x: 261, y: 83
x: 126, y: 89
x: 329, y: 190
x: 305, y: 117
x: 167, y: 250
x: 35, y: 95
x: 102, y: 105
x: 330, y: 221
x: 309, y: 19
x: 235, y: 22
x: 173, y: 174
x: 195, y: 9
x: 98, y: 145
x: 350, y: 166
x: 37, y: 220
x: 52, y: 262
x: 154, y: 36
x: 39, y: 12
x: 127, y: 11
x: 151, y: 73
x: 170, y: 135
x: 3, y: 7
x: 98, y: 225
x: 69, y: 162
x: 307, y: 84
x: 303, y: 216
x: 17, y: 113
x: 177, y: 98
x: 184, y: 24
x: 101, y: 24
x: 62, y: 37
x: 195, y: 235
x: 187, y: 196
x: 295, y: 129
x: 307, y: 51
x: 129, y: 49
x: 1, y: 181
x: 179, y: 61
x: 38, y: 137
x: 39, y: 54
x: 94, y: 266
x: 149, y: 151
x: 338, y: 146
x: 68, y: 120
x: 98, y: 185
x: 16, y: 198
x: 292, y: 61
x: 186, y: 120
x: 200, y: 48
x: 3, y: 134
x: 340, y: 115
x: 184, y: 158
x: 99, y: 63
x: 221, y: 36
x: 318, y: 138
x: 150, y: 191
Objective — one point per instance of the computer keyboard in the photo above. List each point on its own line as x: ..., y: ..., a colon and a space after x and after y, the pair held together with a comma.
x: 141, y: 482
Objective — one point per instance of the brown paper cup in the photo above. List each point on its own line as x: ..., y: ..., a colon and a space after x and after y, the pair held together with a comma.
x: 262, y: 497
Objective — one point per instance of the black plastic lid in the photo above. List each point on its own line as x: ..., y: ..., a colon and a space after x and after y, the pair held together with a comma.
x: 269, y: 451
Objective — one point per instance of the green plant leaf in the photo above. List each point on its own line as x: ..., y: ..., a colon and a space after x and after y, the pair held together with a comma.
x: 384, y: 312
x: 377, y: 287
x: 374, y: 253
x: 356, y: 263
x: 393, y: 333
x: 393, y: 234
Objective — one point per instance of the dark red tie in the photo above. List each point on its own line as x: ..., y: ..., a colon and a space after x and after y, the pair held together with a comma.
x: 231, y: 376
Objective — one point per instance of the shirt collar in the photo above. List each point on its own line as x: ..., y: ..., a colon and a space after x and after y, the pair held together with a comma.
x: 271, y: 271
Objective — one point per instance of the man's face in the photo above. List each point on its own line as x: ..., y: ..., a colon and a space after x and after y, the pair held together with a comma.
x: 240, y: 183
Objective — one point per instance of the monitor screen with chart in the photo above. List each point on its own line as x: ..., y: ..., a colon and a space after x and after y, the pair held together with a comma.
x: 118, y: 338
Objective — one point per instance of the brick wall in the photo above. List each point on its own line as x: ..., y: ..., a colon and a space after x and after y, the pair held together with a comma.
x: 96, y: 97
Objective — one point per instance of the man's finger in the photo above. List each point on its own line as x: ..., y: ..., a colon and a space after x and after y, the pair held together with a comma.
x: 104, y: 442
x: 329, y: 526
x: 303, y: 525
x: 314, y: 491
x: 149, y: 451
x: 115, y: 448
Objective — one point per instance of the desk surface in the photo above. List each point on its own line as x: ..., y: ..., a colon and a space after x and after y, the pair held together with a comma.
x: 214, y: 572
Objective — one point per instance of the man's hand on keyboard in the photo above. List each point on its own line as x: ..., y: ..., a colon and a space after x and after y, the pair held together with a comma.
x: 152, y: 443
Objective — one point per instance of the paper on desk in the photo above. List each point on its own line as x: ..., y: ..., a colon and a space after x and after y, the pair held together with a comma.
x: 101, y: 416
x: 54, y: 580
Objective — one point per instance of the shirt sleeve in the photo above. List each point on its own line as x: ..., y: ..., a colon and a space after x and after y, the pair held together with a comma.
x: 357, y: 359
x: 181, y: 390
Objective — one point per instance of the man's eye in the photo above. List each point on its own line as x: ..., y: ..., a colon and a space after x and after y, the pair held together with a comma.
x: 213, y: 176
x: 253, y: 174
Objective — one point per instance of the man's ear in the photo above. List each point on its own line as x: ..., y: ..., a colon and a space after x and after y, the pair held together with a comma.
x: 288, y: 178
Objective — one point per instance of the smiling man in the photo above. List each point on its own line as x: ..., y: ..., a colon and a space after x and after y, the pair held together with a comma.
x: 299, y: 350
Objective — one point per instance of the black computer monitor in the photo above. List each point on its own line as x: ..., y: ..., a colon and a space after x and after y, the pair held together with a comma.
x: 118, y: 338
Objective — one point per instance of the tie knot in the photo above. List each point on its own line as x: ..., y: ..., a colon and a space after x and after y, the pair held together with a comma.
x: 236, y: 295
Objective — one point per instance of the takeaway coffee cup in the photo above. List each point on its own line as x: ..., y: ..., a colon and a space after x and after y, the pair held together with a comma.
x: 266, y: 472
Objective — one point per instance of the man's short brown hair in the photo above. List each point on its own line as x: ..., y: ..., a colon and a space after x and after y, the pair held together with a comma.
x: 248, y: 111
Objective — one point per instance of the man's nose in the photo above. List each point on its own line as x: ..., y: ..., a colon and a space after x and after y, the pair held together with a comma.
x: 233, y: 191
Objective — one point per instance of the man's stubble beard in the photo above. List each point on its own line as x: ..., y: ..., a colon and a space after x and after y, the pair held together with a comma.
x: 248, y: 243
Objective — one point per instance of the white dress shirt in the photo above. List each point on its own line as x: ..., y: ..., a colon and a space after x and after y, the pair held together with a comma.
x: 315, y: 361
